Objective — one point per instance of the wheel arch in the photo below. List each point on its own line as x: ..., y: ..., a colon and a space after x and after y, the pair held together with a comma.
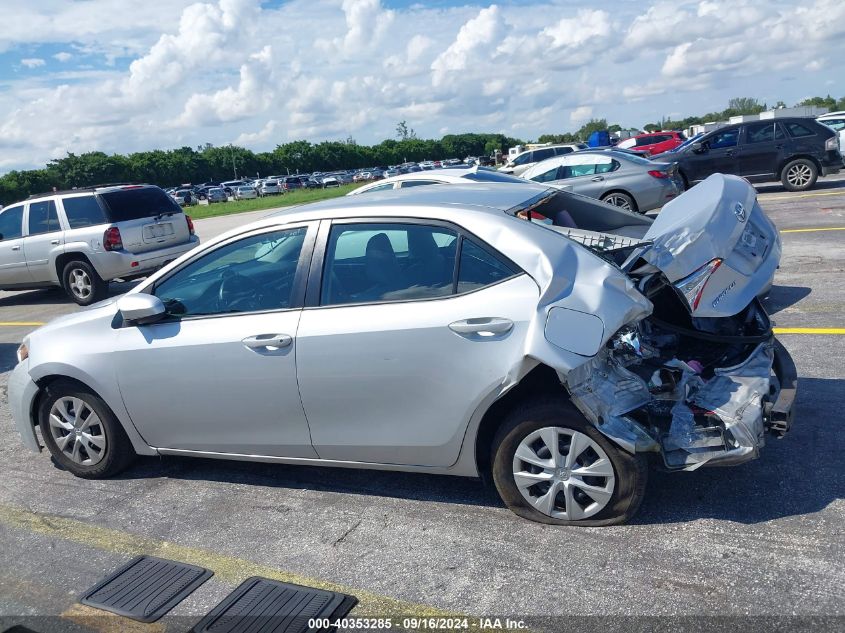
x: 65, y: 258
x: 610, y: 192
x: 808, y: 157
x: 540, y: 381
x: 138, y: 443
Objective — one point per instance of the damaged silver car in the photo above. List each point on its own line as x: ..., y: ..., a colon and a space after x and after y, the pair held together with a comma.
x: 547, y: 342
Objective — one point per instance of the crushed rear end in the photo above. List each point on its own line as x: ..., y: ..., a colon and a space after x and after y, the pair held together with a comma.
x: 702, y: 378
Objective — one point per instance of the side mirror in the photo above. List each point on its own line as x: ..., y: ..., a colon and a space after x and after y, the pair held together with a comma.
x: 697, y: 147
x: 140, y: 308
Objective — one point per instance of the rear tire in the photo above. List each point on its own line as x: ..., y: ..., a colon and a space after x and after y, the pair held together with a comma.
x: 799, y: 174
x: 596, y: 483
x: 619, y: 199
x: 82, y: 283
x: 81, y: 433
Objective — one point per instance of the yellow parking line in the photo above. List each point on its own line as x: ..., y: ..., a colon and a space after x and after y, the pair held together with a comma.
x: 227, y: 569
x: 21, y: 323
x: 809, y: 330
x: 805, y: 195
x: 829, y: 228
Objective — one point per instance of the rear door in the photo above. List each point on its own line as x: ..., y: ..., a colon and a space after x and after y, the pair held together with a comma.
x: 12, y: 259
x: 147, y: 217
x: 44, y: 236
x: 761, y: 149
x: 399, y: 348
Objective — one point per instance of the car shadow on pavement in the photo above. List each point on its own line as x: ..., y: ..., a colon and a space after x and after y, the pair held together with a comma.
x: 798, y: 475
x: 411, y: 486
x: 821, y: 184
x: 8, y: 356
x: 782, y: 297
x: 47, y: 296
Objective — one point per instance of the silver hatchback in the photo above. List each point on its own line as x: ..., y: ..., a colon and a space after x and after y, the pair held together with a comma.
x: 446, y: 330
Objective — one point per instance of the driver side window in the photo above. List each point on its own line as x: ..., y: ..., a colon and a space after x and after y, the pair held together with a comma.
x: 253, y: 274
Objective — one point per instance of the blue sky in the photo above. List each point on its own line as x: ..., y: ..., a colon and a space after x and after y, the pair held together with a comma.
x: 120, y: 76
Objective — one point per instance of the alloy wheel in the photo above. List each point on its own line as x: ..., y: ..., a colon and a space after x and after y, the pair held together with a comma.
x: 77, y: 431
x: 799, y: 175
x: 563, y: 473
x: 79, y: 283
x: 618, y: 201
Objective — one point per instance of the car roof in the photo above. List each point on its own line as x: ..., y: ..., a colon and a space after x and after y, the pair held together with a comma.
x: 493, y: 198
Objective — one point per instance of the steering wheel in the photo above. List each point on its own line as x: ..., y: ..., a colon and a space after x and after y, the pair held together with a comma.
x: 237, y: 293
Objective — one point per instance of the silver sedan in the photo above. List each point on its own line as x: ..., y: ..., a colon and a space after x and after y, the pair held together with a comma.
x: 454, y: 330
x: 618, y: 178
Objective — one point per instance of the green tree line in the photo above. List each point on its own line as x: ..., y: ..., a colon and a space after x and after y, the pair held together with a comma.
x: 188, y: 165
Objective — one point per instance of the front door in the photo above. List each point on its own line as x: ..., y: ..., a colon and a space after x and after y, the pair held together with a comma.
x: 403, y: 347
x: 718, y: 154
x: 12, y: 259
x: 219, y: 373
x: 44, y: 235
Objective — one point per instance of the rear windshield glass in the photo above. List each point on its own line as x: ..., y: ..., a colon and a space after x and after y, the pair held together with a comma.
x: 132, y: 204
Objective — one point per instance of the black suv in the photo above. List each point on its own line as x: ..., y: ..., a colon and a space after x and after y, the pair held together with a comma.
x: 795, y: 151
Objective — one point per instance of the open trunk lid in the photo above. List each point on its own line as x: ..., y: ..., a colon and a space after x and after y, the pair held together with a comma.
x: 715, y: 245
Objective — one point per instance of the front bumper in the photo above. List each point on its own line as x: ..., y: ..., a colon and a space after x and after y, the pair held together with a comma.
x: 21, y: 394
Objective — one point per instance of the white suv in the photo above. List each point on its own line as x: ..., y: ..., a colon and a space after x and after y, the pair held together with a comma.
x: 84, y: 238
x: 521, y: 162
x: 836, y: 121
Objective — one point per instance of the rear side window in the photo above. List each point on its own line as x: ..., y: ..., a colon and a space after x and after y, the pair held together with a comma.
x: 84, y: 211
x: 547, y: 176
x: 559, y: 151
x: 132, y: 204
x: 762, y: 133
x: 796, y: 129
x: 11, y: 223
x: 479, y: 268
x: 418, y: 183
x: 43, y: 217
x: 543, y: 154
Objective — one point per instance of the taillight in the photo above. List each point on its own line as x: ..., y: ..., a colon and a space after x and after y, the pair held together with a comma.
x: 654, y: 173
x: 831, y: 144
x: 112, y: 240
x: 692, y: 286
x: 190, y: 224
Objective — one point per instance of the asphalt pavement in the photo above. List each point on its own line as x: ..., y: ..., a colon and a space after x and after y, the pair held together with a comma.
x: 741, y: 544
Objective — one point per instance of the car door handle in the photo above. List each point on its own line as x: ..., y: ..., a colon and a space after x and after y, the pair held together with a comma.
x: 483, y: 326
x: 16, y: 248
x: 55, y: 241
x: 730, y: 152
x: 597, y: 179
x: 267, y: 341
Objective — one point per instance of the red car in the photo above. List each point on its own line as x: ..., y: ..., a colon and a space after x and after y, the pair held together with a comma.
x: 653, y: 142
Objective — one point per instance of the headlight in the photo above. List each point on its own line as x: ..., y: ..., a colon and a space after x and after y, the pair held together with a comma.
x: 23, y: 352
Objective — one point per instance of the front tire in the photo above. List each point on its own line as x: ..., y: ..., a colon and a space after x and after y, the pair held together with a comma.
x: 619, y: 199
x: 550, y: 465
x: 799, y: 174
x: 81, y: 432
x: 82, y: 283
